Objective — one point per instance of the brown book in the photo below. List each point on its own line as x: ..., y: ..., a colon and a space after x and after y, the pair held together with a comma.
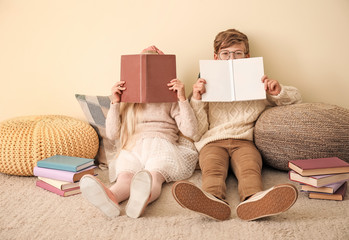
x: 146, y: 77
x: 338, y: 195
x: 319, y: 166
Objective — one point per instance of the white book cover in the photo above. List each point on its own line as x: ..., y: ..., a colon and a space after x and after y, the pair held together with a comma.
x: 233, y: 80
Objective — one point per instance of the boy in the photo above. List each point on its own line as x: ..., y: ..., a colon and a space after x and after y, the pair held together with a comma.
x: 225, y: 139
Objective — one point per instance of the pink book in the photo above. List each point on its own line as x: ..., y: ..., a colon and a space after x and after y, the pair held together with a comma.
x: 146, y: 77
x: 319, y: 166
x: 62, y: 175
x: 63, y: 193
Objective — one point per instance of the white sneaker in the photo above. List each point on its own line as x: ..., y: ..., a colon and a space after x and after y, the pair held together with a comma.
x: 270, y: 202
x: 100, y: 196
x: 140, y: 191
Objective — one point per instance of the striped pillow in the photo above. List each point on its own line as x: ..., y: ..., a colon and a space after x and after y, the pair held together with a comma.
x: 95, y: 109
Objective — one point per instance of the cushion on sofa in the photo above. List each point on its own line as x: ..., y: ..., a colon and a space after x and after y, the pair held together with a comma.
x: 301, y: 131
x: 26, y: 140
x: 95, y: 109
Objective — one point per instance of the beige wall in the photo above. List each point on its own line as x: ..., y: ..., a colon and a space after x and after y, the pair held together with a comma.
x: 50, y: 50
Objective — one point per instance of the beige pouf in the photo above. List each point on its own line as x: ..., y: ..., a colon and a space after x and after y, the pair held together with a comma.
x: 301, y: 131
x: 26, y: 140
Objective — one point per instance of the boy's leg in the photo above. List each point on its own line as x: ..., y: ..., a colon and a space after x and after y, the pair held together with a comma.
x: 214, y: 164
x: 272, y: 201
x: 247, y: 166
x: 193, y: 198
x: 246, y: 163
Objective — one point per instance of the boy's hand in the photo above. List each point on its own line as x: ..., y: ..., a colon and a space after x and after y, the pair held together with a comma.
x: 272, y: 87
x: 199, y: 88
x: 116, y: 91
x: 177, y: 85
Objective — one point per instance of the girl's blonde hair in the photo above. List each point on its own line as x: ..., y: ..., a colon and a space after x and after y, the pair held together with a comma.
x: 130, y: 114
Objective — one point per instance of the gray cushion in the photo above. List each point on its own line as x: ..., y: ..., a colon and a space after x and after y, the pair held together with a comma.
x: 301, y: 131
x: 95, y: 109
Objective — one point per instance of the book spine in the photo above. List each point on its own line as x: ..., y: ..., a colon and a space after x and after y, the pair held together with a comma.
x: 144, y: 78
x: 232, y: 83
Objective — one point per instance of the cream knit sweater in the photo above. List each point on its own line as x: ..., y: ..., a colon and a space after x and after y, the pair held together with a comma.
x: 225, y: 120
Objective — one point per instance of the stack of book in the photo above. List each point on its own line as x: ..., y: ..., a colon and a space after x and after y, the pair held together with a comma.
x: 61, y: 174
x: 321, y: 178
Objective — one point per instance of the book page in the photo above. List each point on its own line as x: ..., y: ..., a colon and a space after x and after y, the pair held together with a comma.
x: 248, y: 73
x: 218, y: 76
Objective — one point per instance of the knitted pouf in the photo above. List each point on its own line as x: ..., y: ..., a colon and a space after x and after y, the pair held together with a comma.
x: 301, y: 131
x: 26, y: 140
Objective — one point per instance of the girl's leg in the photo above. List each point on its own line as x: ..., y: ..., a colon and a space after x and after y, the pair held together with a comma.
x: 99, y: 195
x: 140, y: 191
x: 158, y: 180
x: 145, y: 188
x: 121, y: 188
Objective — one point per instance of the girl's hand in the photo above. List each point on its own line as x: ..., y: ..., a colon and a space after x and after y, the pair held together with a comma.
x: 177, y: 85
x: 152, y: 50
x: 272, y: 87
x: 116, y: 91
x: 199, y: 88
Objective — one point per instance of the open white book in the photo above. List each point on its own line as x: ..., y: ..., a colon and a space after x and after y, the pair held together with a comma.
x: 233, y: 80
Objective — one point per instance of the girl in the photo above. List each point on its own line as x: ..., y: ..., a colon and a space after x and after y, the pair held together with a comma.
x: 151, y: 150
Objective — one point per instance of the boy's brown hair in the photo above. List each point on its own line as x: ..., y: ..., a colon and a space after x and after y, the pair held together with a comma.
x: 228, y: 38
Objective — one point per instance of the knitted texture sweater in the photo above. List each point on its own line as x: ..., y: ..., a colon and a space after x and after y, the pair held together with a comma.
x: 162, y: 120
x: 225, y: 120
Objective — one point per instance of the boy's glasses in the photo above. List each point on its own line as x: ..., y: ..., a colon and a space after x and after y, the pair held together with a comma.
x: 226, y: 55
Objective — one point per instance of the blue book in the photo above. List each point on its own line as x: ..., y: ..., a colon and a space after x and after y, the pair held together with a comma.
x: 66, y: 163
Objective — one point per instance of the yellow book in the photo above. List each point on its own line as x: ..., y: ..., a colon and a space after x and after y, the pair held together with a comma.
x: 62, y: 185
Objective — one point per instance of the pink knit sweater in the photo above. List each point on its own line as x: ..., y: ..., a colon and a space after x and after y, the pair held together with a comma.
x: 163, y: 120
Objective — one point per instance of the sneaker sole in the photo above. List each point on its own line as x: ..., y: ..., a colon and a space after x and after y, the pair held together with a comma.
x: 277, y: 200
x: 193, y: 198
x: 139, y: 194
x: 95, y: 194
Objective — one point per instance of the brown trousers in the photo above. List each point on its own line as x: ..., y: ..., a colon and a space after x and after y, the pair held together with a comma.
x: 245, y: 161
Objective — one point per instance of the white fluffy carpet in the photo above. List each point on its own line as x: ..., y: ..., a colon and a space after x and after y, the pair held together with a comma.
x: 28, y: 212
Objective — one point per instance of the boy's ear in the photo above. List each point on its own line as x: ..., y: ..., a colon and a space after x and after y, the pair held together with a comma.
x: 215, y: 56
x: 247, y: 55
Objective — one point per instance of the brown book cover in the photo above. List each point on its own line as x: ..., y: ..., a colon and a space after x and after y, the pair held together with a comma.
x: 146, y: 77
x: 319, y: 166
x: 338, y: 195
